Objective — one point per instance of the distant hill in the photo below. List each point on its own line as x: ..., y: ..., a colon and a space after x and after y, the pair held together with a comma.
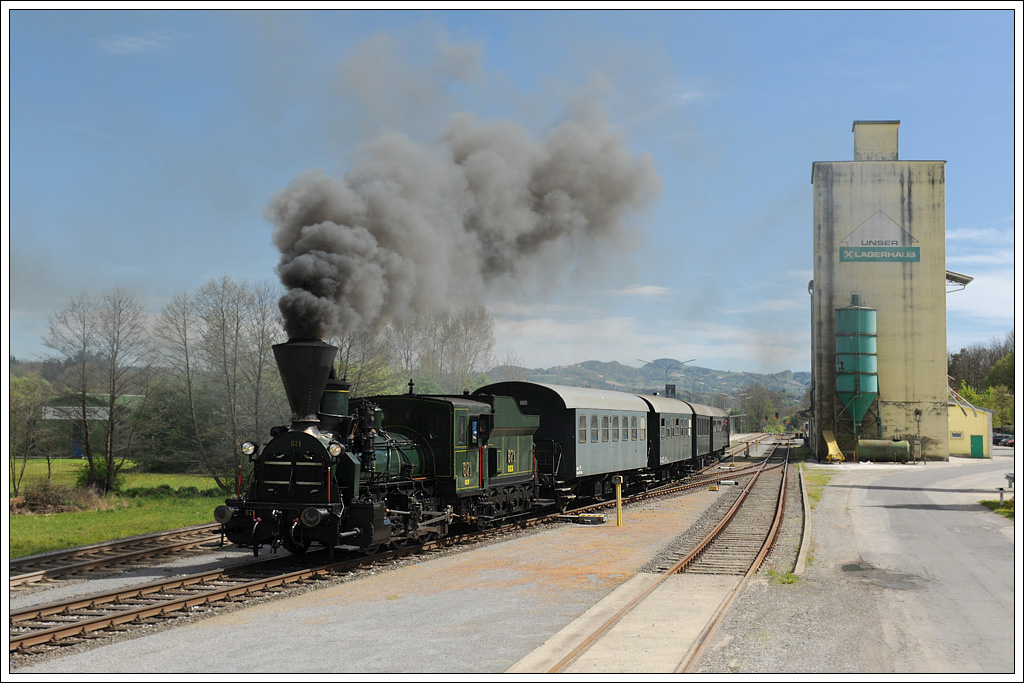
x: 651, y: 378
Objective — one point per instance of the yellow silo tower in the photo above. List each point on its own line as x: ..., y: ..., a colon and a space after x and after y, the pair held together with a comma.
x: 879, y: 263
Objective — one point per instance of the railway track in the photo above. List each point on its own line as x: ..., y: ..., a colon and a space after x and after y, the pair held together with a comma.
x: 69, y: 622
x: 96, y: 617
x: 737, y: 545
x: 111, y: 556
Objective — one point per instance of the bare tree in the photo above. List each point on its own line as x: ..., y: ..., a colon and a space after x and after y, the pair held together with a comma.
x: 106, y: 344
x: 219, y: 343
x: 971, y: 364
x: 511, y: 364
x: 178, y: 330
x: 456, y: 345
x: 366, y: 361
x: 124, y: 347
x: 28, y: 395
x: 406, y: 341
x: 73, y: 336
x: 262, y: 330
x: 223, y: 307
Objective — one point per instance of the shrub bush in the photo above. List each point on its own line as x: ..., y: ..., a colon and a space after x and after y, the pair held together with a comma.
x: 44, y: 496
x: 97, y: 481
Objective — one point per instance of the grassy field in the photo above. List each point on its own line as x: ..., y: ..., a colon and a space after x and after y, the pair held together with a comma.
x: 172, y: 501
x: 64, y: 473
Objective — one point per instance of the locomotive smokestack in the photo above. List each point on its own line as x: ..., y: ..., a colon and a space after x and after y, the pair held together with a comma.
x: 305, y: 365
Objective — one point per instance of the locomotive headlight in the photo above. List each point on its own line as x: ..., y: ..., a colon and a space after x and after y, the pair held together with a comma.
x: 312, y: 517
x: 223, y: 514
x: 334, y: 448
x: 248, y: 448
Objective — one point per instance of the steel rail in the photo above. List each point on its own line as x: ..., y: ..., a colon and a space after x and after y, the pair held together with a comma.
x: 686, y: 666
x: 105, y: 561
x: 60, y: 555
x: 589, y: 641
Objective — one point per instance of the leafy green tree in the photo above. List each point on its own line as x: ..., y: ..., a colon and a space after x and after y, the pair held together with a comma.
x: 971, y: 364
x: 1002, y: 373
x: 997, y: 399
x: 760, y: 408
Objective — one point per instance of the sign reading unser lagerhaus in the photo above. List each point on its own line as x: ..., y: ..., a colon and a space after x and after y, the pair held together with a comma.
x: 879, y: 239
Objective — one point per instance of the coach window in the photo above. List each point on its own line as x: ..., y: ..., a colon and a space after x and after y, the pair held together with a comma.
x: 625, y: 428
x: 593, y: 428
x: 615, y: 428
x: 604, y: 428
x: 632, y: 426
x: 663, y: 428
x: 583, y: 428
x: 643, y: 428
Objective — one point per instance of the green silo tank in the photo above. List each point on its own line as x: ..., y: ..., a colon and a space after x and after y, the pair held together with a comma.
x: 856, y: 360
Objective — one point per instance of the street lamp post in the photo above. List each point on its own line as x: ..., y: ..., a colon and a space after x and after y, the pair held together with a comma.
x: 666, y: 368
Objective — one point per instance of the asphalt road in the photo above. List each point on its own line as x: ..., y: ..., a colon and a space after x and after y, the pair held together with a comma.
x: 907, y: 574
x: 925, y: 527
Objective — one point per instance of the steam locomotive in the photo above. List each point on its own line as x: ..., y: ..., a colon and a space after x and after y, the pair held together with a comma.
x: 368, y: 473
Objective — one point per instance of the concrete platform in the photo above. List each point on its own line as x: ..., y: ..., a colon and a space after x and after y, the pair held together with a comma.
x: 658, y: 634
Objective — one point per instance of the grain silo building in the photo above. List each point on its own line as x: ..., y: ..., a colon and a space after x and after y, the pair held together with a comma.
x: 878, y: 300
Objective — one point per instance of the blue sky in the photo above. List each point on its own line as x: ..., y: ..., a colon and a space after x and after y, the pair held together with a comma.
x: 145, y: 146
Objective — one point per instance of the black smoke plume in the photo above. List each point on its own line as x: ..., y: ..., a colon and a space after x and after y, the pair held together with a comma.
x: 415, y: 227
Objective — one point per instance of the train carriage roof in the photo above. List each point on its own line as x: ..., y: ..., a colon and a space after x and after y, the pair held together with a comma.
x: 573, y: 398
x: 662, y: 404
x: 699, y: 409
x: 709, y: 411
x: 718, y: 412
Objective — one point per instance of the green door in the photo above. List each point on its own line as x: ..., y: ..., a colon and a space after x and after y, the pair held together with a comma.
x: 977, y: 446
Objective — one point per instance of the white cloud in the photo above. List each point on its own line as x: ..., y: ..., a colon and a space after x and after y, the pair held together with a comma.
x: 771, y: 305
x: 1001, y: 256
x: 551, y: 341
x: 989, y: 295
x: 119, y: 44
x: 644, y: 291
